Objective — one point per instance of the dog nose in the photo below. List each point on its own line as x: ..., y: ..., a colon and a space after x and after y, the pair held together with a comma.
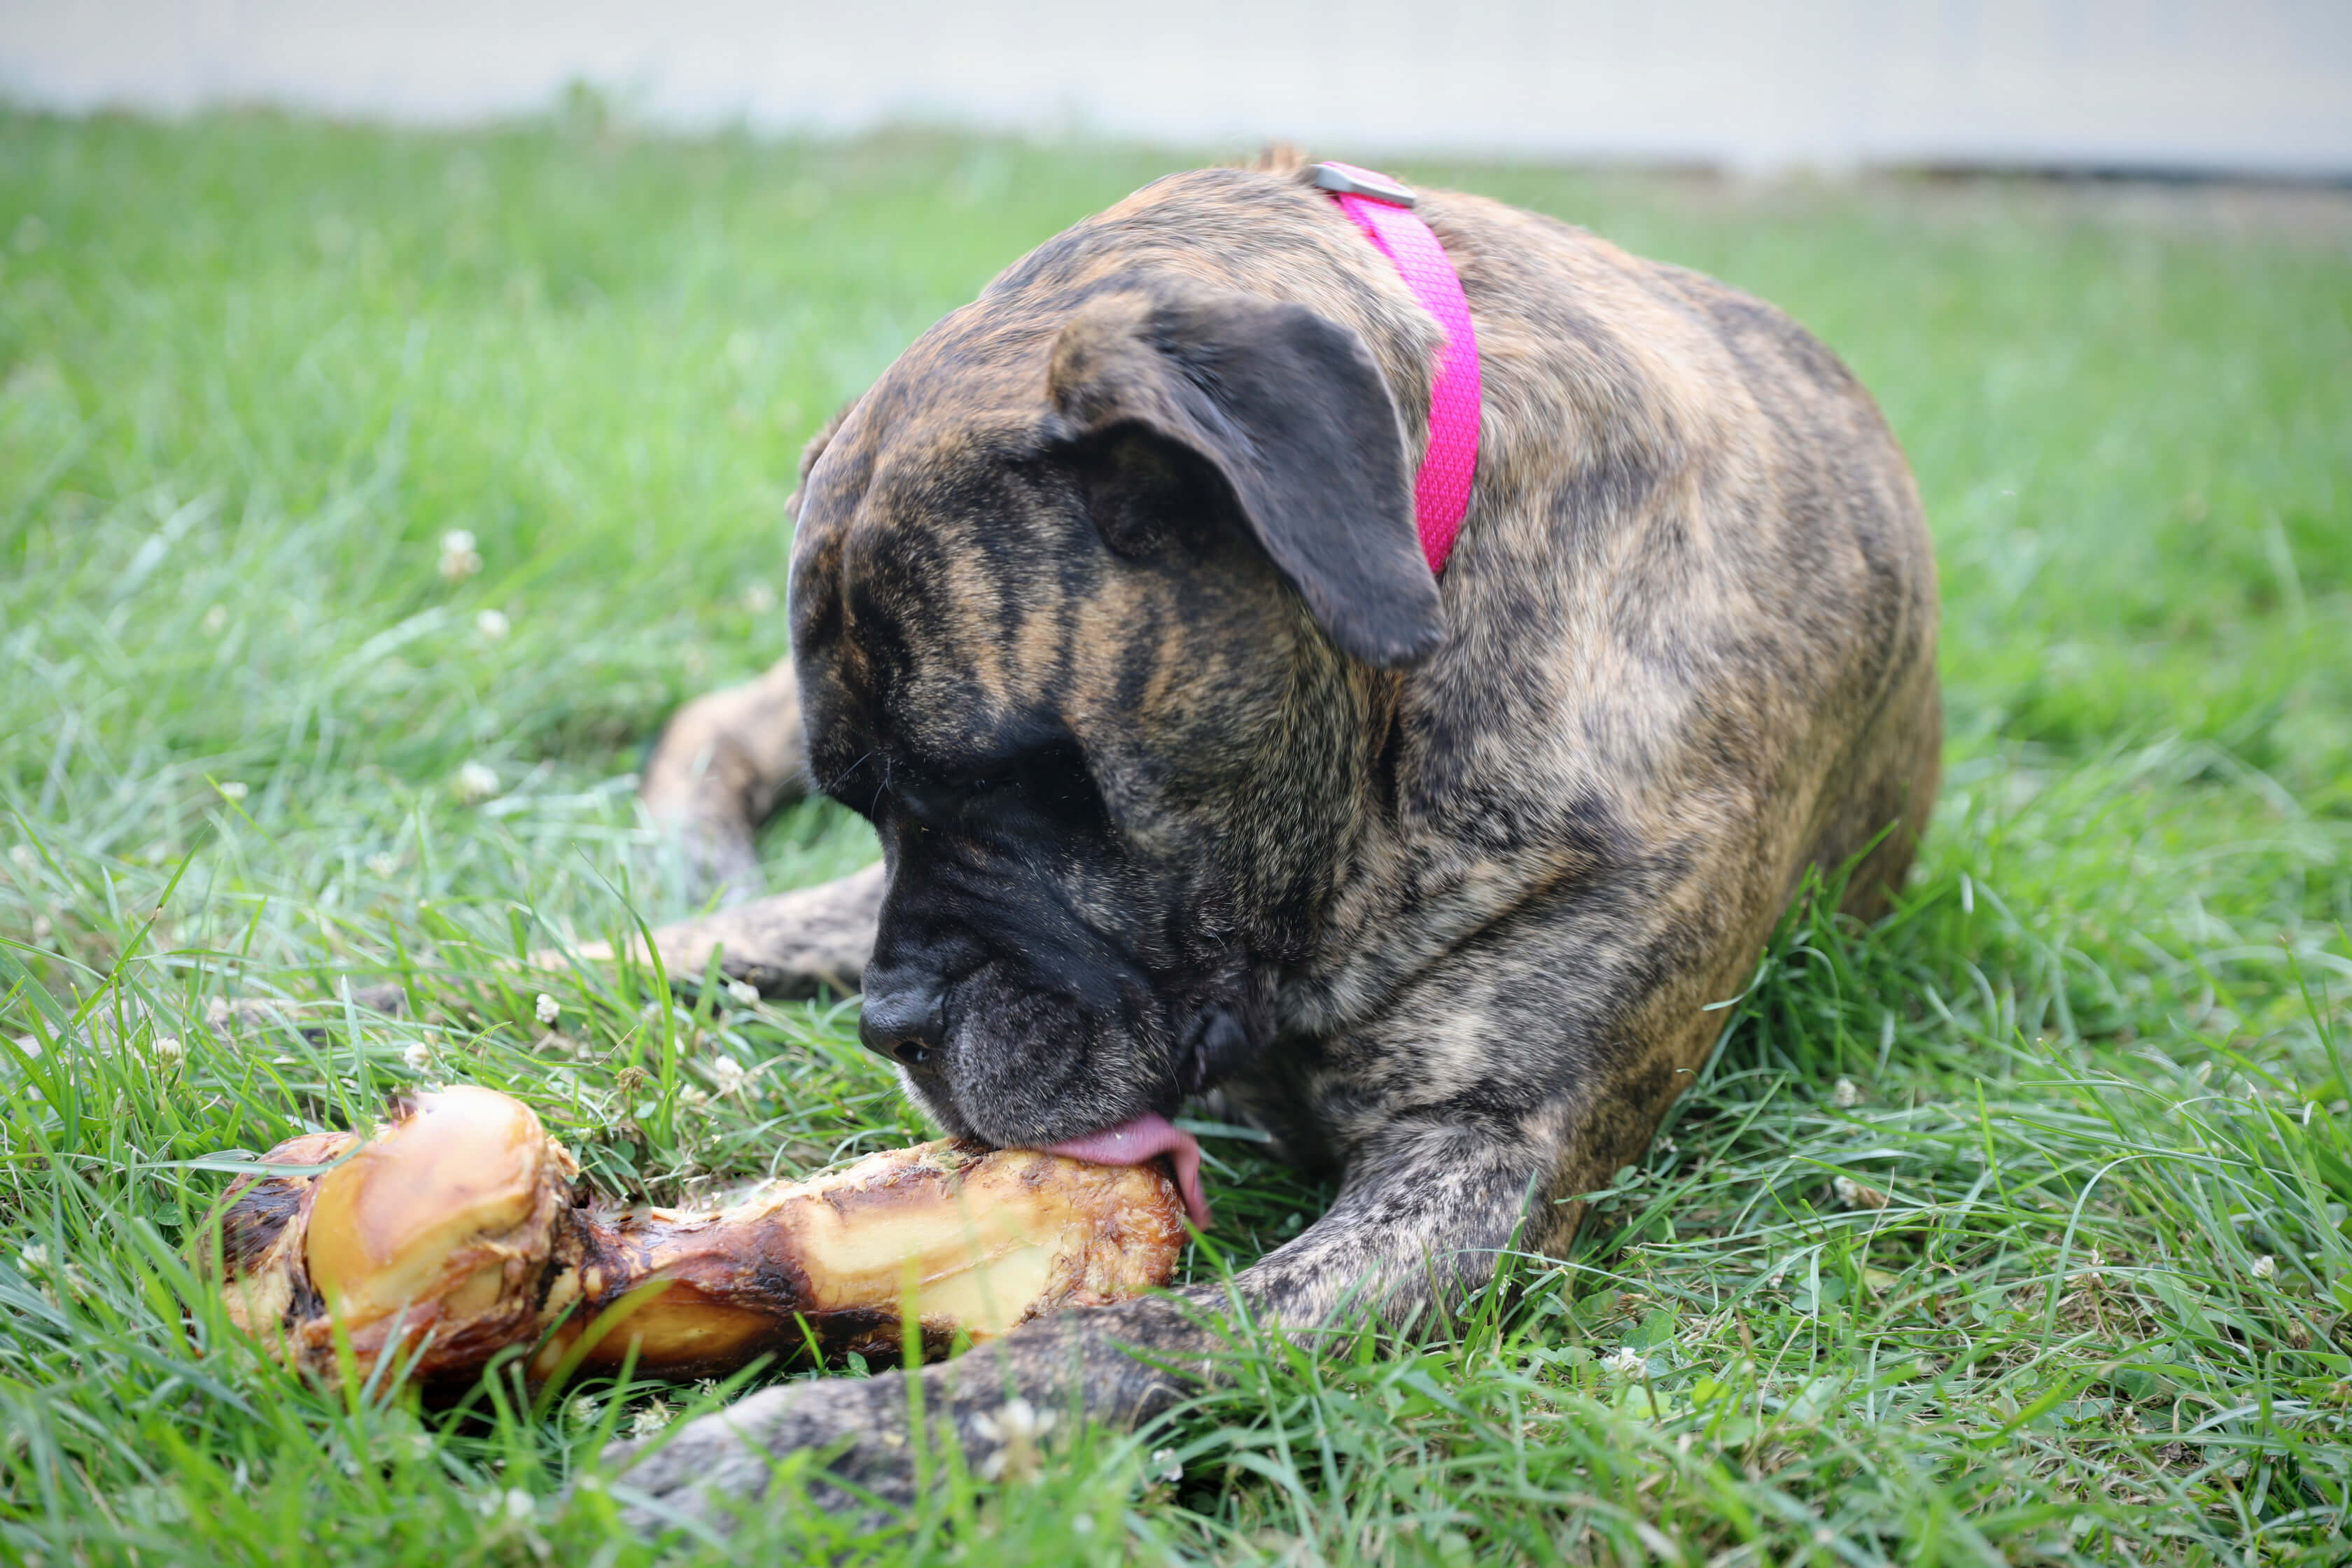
x: 908, y: 1027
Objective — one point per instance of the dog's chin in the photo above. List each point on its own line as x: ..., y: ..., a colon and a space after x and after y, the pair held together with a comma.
x: 1018, y: 1122
x: 931, y: 1098
x: 1027, y: 1069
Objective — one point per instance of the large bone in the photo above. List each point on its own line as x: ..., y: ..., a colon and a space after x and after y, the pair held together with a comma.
x: 456, y: 1232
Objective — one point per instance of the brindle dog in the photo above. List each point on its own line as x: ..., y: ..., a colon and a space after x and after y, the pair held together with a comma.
x: 1107, y: 612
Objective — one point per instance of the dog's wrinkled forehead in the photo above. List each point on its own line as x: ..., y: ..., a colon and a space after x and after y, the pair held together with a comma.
x: 947, y: 583
x: 1105, y: 507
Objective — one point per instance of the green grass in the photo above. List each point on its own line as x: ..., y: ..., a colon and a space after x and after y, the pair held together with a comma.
x: 251, y: 371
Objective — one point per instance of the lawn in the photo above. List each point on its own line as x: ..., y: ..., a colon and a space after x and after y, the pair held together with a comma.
x: 2014, y: 1229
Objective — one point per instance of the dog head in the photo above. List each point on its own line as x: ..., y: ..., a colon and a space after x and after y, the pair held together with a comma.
x: 1090, y: 595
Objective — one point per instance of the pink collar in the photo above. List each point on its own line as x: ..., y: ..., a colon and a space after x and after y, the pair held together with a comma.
x: 1383, y: 210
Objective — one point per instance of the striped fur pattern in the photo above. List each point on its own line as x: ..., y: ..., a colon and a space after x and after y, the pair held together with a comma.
x: 1188, y: 781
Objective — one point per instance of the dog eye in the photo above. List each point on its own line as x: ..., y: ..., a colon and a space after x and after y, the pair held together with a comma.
x: 1051, y: 779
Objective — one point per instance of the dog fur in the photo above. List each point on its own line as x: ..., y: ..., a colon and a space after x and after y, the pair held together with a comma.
x: 1107, y: 610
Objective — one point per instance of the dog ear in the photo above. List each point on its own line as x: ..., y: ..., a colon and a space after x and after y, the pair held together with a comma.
x: 1170, y: 398
x: 810, y: 453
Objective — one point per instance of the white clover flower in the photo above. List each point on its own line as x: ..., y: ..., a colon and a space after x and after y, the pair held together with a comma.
x: 519, y: 1505
x: 417, y: 1055
x: 460, y: 559
x: 650, y: 1418
x: 1625, y: 1362
x: 167, y: 1052
x: 1853, y: 1194
x: 232, y: 789
x: 34, y: 1259
x: 729, y: 1074
x: 1846, y: 1095
x: 22, y: 855
x: 693, y: 1098
x: 758, y: 597
x: 1016, y: 1421
x: 492, y: 625
x: 476, y: 781
x: 216, y: 619
x: 547, y: 1009
x: 382, y: 865
x: 2266, y: 1266
x: 742, y: 993
x: 1016, y: 1427
x: 1084, y: 1525
x: 582, y: 1411
x: 1165, y: 1466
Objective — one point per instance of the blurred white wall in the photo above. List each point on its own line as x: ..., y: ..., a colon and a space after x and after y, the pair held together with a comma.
x: 2248, y: 84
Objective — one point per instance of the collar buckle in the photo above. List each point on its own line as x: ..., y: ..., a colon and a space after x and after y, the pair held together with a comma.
x: 1342, y: 179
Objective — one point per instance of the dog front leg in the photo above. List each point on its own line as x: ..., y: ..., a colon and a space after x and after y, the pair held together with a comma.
x: 1420, y: 1222
x: 788, y: 945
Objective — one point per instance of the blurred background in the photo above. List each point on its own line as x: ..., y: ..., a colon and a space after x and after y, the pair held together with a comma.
x: 2261, y: 86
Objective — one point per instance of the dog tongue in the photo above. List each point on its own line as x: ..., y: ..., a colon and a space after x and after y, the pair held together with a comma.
x: 1145, y: 1138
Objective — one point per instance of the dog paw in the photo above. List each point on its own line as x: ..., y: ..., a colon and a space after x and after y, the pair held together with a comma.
x: 852, y: 1432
